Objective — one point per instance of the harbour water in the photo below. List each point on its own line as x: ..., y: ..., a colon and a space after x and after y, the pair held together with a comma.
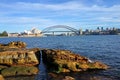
x: 104, y: 48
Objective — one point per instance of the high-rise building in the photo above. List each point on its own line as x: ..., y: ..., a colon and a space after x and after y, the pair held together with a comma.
x: 102, y: 29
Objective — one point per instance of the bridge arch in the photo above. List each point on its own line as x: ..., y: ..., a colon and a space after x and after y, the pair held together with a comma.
x: 61, y: 26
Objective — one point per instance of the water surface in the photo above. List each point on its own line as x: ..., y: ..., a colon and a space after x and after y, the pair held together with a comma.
x: 105, y: 48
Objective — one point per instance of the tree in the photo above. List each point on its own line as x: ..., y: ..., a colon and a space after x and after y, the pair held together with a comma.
x: 113, y: 32
x: 4, y: 33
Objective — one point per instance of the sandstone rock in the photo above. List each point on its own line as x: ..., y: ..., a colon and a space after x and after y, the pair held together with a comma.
x: 1, y: 77
x: 3, y: 67
x: 15, y: 59
x: 31, y: 77
x: 68, y: 78
x: 66, y: 61
x: 19, y: 70
x: 52, y: 75
x: 12, y: 46
x: 19, y: 57
x: 18, y: 44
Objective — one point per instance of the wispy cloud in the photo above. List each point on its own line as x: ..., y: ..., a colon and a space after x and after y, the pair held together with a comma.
x: 71, y: 13
x: 109, y: 19
x: 72, y: 5
x: 23, y: 20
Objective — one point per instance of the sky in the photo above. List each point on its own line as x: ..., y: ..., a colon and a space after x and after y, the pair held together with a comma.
x: 20, y: 15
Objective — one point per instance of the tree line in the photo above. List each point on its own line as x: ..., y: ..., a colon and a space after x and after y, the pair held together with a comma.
x: 4, y: 33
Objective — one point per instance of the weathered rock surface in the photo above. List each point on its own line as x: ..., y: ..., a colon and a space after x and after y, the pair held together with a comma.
x: 66, y: 61
x: 17, y: 44
x: 18, y: 57
x: 12, y: 46
x: 19, y: 70
x: 15, y: 59
x: 1, y: 77
x: 68, y: 78
x: 15, y: 53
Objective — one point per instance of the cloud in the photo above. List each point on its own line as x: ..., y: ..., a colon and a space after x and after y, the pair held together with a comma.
x: 72, y: 13
x: 72, y: 5
x: 109, y: 19
x: 23, y: 20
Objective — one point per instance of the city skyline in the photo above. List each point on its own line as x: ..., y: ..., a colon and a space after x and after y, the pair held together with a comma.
x: 16, y: 16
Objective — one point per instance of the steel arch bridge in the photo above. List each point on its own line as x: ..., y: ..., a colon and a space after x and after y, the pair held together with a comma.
x: 47, y: 30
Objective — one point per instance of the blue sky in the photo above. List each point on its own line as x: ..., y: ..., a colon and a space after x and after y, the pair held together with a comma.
x: 20, y: 15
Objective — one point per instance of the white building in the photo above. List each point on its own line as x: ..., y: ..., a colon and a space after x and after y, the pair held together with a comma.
x: 32, y: 31
x: 35, y: 31
x: 13, y: 34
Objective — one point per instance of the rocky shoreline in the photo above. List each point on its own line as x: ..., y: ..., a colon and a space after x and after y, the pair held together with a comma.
x: 17, y: 60
x: 67, y: 61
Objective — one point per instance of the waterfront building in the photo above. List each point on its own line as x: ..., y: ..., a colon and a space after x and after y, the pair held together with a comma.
x: 13, y: 34
x: 34, y: 32
x: 27, y: 33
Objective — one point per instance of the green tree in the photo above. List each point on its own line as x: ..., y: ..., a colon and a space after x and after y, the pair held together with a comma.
x: 4, y: 33
x: 113, y: 32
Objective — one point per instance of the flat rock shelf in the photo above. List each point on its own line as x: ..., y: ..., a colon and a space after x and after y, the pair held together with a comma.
x: 17, y: 60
